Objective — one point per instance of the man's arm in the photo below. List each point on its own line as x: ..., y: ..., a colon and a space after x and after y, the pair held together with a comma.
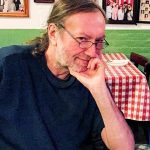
x: 116, y: 134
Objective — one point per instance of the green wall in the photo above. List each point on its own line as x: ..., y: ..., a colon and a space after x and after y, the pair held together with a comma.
x: 17, y: 36
x: 124, y: 41
x: 128, y: 41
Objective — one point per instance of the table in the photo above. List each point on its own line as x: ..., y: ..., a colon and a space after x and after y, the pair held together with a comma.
x: 142, y: 147
x: 129, y: 88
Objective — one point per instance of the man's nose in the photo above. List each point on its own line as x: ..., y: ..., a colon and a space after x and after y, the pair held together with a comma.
x: 92, y: 51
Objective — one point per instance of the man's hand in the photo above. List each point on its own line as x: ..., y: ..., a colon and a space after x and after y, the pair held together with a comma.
x: 94, y: 76
x: 116, y: 134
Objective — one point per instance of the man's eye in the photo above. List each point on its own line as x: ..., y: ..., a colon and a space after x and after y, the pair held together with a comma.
x: 100, y: 41
x: 81, y: 38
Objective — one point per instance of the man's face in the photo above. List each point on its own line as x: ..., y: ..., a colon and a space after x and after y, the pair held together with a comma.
x: 83, y: 27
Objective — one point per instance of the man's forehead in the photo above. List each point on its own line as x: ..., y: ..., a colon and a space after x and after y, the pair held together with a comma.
x: 83, y: 17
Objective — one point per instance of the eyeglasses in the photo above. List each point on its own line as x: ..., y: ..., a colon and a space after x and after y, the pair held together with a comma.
x: 87, y: 44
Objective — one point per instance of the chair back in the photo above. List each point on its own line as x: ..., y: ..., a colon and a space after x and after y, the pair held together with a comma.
x: 138, y: 59
x: 147, y: 70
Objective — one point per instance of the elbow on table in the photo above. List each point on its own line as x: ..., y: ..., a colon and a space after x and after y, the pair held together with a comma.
x: 125, y: 142
x: 122, y: 142
x: 128, y: 142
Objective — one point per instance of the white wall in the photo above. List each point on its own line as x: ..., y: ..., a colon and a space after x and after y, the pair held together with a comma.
x: 38, y: 13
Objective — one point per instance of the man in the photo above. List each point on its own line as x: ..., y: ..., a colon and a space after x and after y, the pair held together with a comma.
x: 109, y: 8
x: 9, y: 6
x: 125, y: 8
x: 56, y: 98
x: 17, y: 3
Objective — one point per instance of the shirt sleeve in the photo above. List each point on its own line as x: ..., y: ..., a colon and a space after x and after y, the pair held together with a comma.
x: 98, y: 125
x: 95, y: 141
x: 1, y: 70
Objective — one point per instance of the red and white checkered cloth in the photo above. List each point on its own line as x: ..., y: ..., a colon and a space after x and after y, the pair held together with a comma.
x: 129, y: 88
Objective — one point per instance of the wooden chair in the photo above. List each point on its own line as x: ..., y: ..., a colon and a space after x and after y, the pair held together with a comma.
x: 140, y: 60
x: 147, y: 70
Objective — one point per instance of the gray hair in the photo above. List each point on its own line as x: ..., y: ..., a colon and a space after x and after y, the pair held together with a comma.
x: 61, y: 10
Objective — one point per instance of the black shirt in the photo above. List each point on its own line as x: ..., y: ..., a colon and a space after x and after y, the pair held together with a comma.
x: 41, y: 112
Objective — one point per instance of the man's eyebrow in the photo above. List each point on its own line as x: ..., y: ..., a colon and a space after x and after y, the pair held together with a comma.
x: 99, y: 38
x: 85, y: 35
x: 90, y: 37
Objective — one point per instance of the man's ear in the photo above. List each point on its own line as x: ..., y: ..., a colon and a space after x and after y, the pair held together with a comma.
x: 52, y: 33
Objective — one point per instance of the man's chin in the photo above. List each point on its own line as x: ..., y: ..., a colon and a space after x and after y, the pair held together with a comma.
x: 83, y: 69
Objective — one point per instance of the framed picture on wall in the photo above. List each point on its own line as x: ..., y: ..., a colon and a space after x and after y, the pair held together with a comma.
x: 14, y: 8
x: 144, y: 11
x: 121, y: 11
x: 44, y: 1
